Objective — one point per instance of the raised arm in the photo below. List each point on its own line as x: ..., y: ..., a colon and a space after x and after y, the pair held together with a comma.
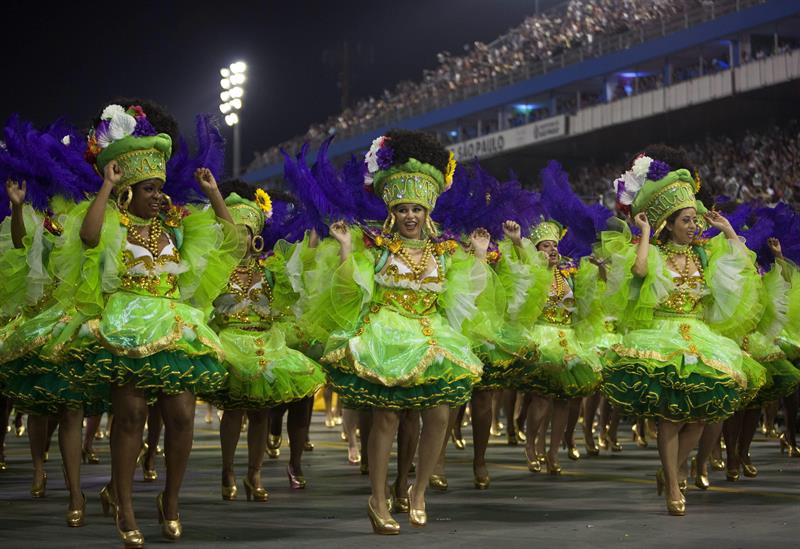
x: 208, y: 184
x: 341, y: 232
x: 93, y: 222
x: 16, y: 194
x: 640, y: 265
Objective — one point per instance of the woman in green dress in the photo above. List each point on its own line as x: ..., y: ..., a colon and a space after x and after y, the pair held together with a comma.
x: 673, y: 363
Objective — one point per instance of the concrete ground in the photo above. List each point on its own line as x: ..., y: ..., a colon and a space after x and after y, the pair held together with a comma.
x: 605, y: 501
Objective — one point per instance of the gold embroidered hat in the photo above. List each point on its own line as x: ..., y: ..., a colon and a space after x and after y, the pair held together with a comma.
x: 660, y: 199
x: 547, y: 230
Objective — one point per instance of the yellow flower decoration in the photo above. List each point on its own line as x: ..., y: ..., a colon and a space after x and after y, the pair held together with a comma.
x: 264, y: 202
x: 697, y: 182
x: 449, y: 171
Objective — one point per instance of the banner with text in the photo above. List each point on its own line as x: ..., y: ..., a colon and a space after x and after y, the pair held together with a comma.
x: 500, y: 142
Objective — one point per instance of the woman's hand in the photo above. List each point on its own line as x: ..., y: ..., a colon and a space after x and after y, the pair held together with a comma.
x: 206, y: 180
x: 718, y: 221
x: 16, y: 192
x: 513, y: 232
x: 341, y: 232
x: 112, y: 174
x: 479, y: 240
x: 642, y: 223
x: 775, y: 247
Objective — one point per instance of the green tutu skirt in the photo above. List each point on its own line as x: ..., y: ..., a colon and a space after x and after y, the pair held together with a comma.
x: 47, y: 352
x: 565, y: 369
x: 263, y: 372
x: 679, y: 370
x: 509, y: 357
x: 159, y: 345
x: 399, y: 362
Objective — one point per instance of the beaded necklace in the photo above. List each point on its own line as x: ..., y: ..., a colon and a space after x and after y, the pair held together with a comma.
x: 559, y: 283
x: 418, y: 268
x: 682, y: 299
x: 241, y: 291
x: 153, y: 241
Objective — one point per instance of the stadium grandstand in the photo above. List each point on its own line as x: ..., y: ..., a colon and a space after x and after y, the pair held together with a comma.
x: 590, y: 82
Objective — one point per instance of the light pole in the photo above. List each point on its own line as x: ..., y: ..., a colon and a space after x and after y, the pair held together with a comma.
x: 232, y: 83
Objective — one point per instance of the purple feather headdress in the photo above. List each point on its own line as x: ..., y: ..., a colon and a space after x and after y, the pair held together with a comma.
x: 181, y: 185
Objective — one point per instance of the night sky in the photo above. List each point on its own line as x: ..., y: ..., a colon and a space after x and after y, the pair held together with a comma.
x: 69, y: 59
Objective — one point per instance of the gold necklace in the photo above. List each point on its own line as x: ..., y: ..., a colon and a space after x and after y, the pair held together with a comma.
x: 153, y: 241
x: 241, y: 291
x: 560, y: 285
x: 418, y: 268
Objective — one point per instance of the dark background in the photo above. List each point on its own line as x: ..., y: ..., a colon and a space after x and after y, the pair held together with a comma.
x: 70, y: 59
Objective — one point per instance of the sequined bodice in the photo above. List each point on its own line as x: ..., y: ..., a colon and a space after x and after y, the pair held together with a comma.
x: 151, y: 275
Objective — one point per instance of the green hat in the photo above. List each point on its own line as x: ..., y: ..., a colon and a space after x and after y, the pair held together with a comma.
x: 413, y: 182
x: 660, y: 199
x: 547, y: 230
x: 248, y: 213
x: 139, y: 158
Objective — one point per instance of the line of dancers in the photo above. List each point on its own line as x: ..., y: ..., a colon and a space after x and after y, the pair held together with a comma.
x: 135, y: 284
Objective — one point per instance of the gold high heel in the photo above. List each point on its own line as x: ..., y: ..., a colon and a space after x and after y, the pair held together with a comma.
x: 256, y: 494
x: 107, y: 500
x: 534, y: 465
x: 416, y: 517
x: 39, y: 490
x: 131, y: 539
x: 88, y: 456
x: 400, y: 504
x: 20, y: 430
x: 793, y: 451
x: 748, y: 469
x: 683, y: 485
x: 700, y: 479
x: 573, y: 453
x: 732, y: 471
x: 148, y: 475
x: 640, y: 441
x: 459, y: 443
x: 385, y: 527
x: 676, y: 508
x: 3, y: 465
x: 481, y: 482
x: 296, y: 482
x: 553, y: 468
x: 521, y: 438
x: 229, y: 492
x: 170, y: 529
x: 274, y: 446
x: 77, y: 517
x: 438, y: 482
x: 717, y: 464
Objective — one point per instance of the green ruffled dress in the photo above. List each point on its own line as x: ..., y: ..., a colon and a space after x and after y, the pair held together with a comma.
x: 41, y: 348
x: 262, y: 370
x: 501, y: 338
x: 148, y: 315
x: 567, y: 366
x: 674, y: 362
x: 395, y: 341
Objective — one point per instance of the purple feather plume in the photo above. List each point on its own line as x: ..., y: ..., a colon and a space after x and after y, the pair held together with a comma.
x: 181, y: 185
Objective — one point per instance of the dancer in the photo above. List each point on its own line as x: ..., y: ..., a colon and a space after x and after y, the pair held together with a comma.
x: 671, y: 365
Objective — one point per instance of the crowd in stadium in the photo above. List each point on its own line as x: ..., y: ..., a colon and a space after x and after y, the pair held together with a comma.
x: 761, y: 166
x: 540, y: 38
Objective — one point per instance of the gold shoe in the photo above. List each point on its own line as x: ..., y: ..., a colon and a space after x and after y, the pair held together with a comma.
x: 521, y: 438
x: 3, y: 465
x: 640, y: 441
x: 107, y: 501
x: 732, y: 475
x: 573, y: 453
x: 676, y: 508
x: 457, y: 442
x: 717, y: 464
x: 170, y: 529
x: 496, y: 429
x: 481, y: 483
x: 256, y: 494
x: 20, y: 430
x: 400, y: 504
x: 385, y: 527
x: 77, y: 517
x: 229, y: 492
x: 615, y: 446
x: 131, y: 539
x: 683, y: 485
x: 329, y: 422
x: 553, y: 468
x: 148, y: 475
x: 416, y: 517
x: 792, y: 451
x: 748, y: 469
x: 88, y: 456
x: 534, y: 465
x: 39, y: 490
x: 700, y: 478
x: 438, y: 482
x: 274, y: 446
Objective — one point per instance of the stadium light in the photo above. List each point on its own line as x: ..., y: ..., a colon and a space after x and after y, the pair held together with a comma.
x: 233, y: 79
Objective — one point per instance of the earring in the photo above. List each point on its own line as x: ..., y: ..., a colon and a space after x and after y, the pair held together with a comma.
x: 166, y: 202
x: 432, y: 232
x: 124, y: 199
x: 388, y: 225
x: 260, y: 246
